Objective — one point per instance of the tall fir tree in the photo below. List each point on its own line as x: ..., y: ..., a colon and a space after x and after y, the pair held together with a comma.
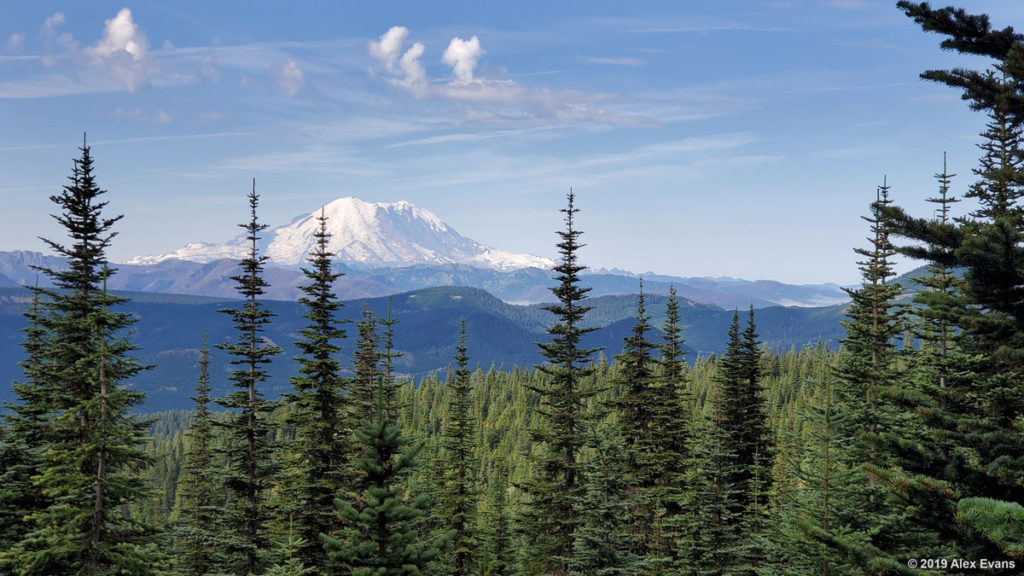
x: 380, y: 536
x: 319, y: 407
x: 387, y: 357
x: 550, y: 518
x: 251, y: 464
x: 739, y: 417
x: 197, y: 542
x: 497, y: 545
x: 606, y: 543
x: 366, y: 365
x: 91, y: 450
x: 989, y: 246
x: 932, y: 401
x: 636, y: 377
x: 459, y: 492
x: 715, y: 541
x: 670, y: 424
x: 870, y: 378
x: 815, y: 534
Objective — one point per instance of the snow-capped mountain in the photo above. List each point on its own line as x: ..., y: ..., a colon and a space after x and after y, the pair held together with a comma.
x: 364, y: 234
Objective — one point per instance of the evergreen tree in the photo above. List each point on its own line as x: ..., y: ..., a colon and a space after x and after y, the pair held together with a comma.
x: 199, y: 545
x: 550, y: 520
x: 367, y: 357
x: 756, y: 438
x: 670, y: 426
x: 606, y: 544
x: 291, y: 554
x: 23, y: 440
x: 815, y: 532
x: 251, y: 464
x: 636, y: 376
x: 984, y: 399
x: 388, y: 357
x: 379, y: 537
x: 716, y: 540
x: 89, y: 470
x: 932, y: 402
x: 497, y: 542
x: 744, y: 460
x: 882, y: 536
x: 319, y: 406
x: 459, y: 488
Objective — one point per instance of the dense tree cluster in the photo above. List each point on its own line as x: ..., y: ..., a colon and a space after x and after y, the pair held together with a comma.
x: 905, y: 445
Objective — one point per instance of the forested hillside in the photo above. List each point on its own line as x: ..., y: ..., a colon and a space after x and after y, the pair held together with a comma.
x: 168, y: 330
x: 901, y: 452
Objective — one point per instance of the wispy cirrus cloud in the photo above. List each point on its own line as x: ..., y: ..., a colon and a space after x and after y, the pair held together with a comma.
x: 616, y: 61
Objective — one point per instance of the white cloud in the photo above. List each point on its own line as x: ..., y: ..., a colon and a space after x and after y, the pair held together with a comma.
x: 462, y: 56
x: 52, y: 23
x: 163, y: 117
x: 408, y: 69
x: 122, y: 34
x: 124, y: 51
x: 15, y: 40
x: 415, y: 75
x: 485, y: 100
x: 389, y: 46
x: 291, y: 78
x: 51, y: 33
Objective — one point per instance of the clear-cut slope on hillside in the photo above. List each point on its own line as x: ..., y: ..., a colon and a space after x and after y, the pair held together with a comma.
x: 364, y: 234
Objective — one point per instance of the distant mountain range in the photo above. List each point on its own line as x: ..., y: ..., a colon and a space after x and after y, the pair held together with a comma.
x: 522, y: 286
x: 169, y: 329
x: 389, y: 248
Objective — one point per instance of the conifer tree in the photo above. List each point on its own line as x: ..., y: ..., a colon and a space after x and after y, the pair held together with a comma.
x: 319, y: 407
x: 636, y: 376
x: 874, y: 325
x: 199, y: 545
x: 251, y: 465
x: 366, y: 361
x: 739, y: 417
x: 22, y: 438
x: 388, y: 356
x: 989, y: 247
x: 869, y: 381
x: 933, y: 401
x: 670, y: 425
x: 92, y: 443
x: 606, y: 544
x: 459, y: 489
x: 815, y: 532
x: 497, y: 543
x: 379, y: 537
x: 550, y: 519
x: 716, y: 541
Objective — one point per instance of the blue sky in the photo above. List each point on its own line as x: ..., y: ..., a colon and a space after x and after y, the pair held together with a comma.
x: 703, y: 138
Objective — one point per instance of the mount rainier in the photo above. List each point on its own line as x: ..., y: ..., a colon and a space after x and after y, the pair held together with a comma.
x: 363, y: 234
